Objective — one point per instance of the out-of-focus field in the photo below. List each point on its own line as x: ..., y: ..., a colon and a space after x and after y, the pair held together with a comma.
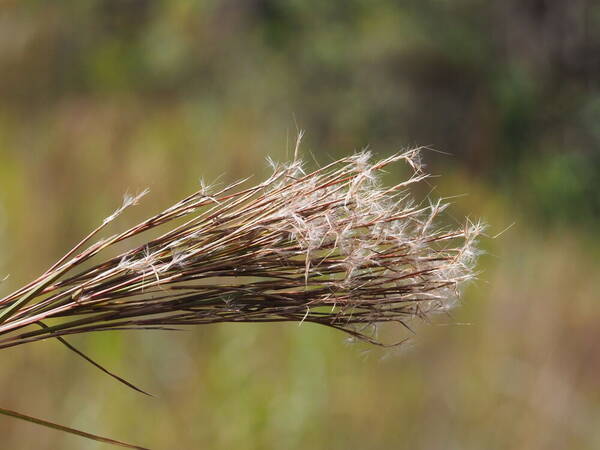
x: 102, y: 97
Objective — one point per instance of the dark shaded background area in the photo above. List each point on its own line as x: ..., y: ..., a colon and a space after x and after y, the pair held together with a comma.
x: 510, y: 88
x: 104, y: 96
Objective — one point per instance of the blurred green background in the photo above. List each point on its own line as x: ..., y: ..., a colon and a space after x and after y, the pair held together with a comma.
x: 100, y: 97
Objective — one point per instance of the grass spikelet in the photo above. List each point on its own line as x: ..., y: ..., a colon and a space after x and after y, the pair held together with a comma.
x: 333, y: 247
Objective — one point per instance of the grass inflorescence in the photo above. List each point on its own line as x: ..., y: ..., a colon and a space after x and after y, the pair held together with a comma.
x: 333, y: 247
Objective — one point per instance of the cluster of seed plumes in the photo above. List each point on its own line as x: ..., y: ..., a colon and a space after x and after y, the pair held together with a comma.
x: 333, y: 247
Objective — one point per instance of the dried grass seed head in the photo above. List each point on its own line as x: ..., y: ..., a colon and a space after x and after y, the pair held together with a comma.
x: 334, y: 247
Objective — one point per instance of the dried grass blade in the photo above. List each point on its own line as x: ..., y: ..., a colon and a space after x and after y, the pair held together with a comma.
x: 55, y: 426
